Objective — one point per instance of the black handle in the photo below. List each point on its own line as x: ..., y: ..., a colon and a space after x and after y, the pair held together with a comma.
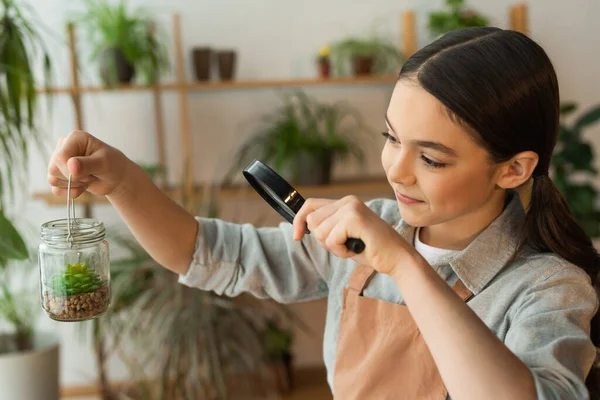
x: 355, y: 245
x: 352, y: 244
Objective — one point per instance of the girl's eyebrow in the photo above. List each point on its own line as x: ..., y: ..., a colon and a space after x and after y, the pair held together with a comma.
x: 428, y: 144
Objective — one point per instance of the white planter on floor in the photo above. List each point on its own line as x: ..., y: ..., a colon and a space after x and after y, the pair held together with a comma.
x: 34, y: 374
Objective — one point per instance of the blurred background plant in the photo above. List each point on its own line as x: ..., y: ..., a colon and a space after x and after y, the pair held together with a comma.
x: 21, y: 47
x: 372, y: 55
x: 125, y: 42
x: 303, y: 138
x: 455, y: 15
x: 573, y: 169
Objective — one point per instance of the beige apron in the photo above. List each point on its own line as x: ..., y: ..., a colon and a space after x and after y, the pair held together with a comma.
x: 380, y: 352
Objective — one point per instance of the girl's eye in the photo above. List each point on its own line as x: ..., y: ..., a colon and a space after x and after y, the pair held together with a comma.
x: 389, y: 137
x: 431, y: 163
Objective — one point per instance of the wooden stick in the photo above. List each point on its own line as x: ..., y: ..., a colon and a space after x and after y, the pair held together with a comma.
x: 409, y: 33
x: 186, y: 141
x: 75, y: 78
x: 518, y: 15
x: 159, y: 123
x: 160, y: 134
x: 75, y: 95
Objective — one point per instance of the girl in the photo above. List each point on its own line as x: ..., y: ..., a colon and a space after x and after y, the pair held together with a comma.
x: 475, y: 284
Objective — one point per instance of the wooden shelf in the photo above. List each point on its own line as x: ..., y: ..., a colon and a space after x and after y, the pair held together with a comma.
x: 367, y: 187
x: 310, y: 383
x: 230, y: 85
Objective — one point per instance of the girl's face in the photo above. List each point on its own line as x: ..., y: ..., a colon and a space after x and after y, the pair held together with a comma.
x: 440, y: 175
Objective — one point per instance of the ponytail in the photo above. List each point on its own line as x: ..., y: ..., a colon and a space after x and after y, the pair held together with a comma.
x: 550, y: 226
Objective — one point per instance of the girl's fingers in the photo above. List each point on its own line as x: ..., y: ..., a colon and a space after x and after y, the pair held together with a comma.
x: 75, y: 192
x: 336, y: 241
x: 322, y: 224
x: 307, y: 208
x: 56, y: 181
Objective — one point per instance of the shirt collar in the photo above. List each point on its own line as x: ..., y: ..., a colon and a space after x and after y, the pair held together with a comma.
x: 489, y: 253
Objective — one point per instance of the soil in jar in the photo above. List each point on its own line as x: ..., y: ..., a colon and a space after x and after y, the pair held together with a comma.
x: 76, y: 294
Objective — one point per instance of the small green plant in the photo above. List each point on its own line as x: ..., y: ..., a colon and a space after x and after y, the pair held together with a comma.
x: 75, y: 279
x: 382, y: 55
x: 455, y: 16
x: 573, y: 167
x: 113, y: 30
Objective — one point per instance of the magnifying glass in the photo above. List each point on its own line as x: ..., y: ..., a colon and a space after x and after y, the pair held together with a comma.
x: 283, y: 197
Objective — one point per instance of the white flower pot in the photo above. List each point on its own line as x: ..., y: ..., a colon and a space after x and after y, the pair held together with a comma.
x: 32, y: 375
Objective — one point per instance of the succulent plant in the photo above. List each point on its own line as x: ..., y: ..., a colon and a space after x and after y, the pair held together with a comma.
x: 75, y: 279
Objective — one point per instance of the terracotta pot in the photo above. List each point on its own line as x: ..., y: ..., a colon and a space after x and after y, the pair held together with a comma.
x: 362, y: 65
x: 324, y: 69
x: 202, y: 60
x: 226, y: 61
x: 114, y: 67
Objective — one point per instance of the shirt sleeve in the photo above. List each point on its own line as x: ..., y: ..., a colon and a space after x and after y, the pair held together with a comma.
x: 550, y: 333
x: 266, y: 262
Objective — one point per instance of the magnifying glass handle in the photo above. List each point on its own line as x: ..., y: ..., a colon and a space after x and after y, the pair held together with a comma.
x: 356, y: 245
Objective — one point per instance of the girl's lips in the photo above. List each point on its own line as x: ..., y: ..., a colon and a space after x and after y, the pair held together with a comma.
x: 407, y: 200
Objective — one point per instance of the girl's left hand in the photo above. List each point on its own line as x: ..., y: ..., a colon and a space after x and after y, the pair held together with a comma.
x: 332, y: 222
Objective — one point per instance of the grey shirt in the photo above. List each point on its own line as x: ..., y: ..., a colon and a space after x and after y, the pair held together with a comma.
x: 539, y: 305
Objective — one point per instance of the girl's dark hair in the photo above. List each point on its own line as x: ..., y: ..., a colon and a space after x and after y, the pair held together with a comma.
x: 501, y: 86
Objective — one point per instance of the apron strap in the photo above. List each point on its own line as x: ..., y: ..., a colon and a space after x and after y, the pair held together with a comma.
x: 362, y: 274
x: 359, y: 278
x: 461, y: 290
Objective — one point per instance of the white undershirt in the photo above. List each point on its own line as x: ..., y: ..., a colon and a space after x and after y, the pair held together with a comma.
x: 429, y: 253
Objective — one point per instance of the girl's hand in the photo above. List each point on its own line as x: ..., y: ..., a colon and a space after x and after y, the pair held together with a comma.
x: 332, y: 222
x: 94, y: 165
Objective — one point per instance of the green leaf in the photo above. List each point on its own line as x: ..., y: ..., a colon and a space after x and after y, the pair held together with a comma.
x: 567, y: 108
x: 588, y: 118
x: 580, y: 154
x: 12, y: 246
x: 564, y: 133
x: 581, y: 200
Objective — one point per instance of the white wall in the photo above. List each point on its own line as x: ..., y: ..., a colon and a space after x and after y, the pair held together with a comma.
x: 275, y: 39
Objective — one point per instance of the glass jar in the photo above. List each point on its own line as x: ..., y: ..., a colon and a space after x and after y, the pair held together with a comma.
x: 74, y: 269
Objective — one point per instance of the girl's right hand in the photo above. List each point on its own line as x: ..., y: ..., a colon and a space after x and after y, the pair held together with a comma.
x: 94, y: 166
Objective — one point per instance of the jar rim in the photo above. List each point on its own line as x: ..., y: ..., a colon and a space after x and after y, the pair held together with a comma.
x: 83, y: 231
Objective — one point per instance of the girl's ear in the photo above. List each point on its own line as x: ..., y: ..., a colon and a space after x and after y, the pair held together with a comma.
x: 516, y: 171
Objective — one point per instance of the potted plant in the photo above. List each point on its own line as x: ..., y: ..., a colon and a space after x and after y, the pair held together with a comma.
x: 278, y: 343
x: 323, y: 62
x: 454, y: 16
x: 572, y: 167
x: 126, y: 43
x: 302, y: 138
x: 26, y: 356
x: 367, y: 56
